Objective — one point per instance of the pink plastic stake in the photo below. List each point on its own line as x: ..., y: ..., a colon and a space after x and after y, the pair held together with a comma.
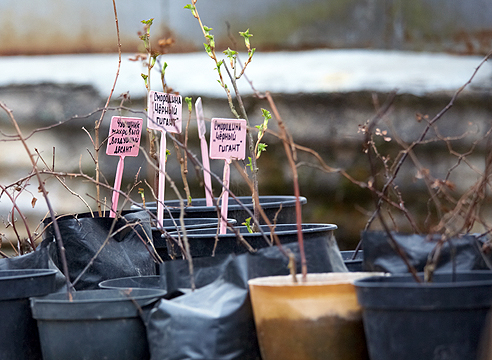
x: 117, y: 186
x: 204, y: 147
x: 164, y: 115
x: 123, y: 140
x: 225, y: 197
x: 227, y: 142
x: 162, y: 180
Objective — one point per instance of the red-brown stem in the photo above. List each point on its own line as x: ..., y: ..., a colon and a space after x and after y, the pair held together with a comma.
x: 288, y: 152
x: 58, y: 237
x: 24, y: 220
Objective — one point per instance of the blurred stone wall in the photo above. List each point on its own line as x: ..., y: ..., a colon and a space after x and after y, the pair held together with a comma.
x: 326, y: 123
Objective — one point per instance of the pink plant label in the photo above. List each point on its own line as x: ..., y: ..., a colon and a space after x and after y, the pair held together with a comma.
x: 164, y: 112
x: 124, y: 136
x: 228, y: 139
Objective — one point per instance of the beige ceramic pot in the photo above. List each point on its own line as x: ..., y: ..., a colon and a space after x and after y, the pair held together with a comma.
x: 316, y: 319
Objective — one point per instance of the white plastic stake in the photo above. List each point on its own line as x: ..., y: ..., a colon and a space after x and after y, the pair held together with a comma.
x: 204, y: 147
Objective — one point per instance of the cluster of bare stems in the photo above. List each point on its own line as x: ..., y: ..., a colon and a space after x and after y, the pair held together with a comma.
x: 455, y: 215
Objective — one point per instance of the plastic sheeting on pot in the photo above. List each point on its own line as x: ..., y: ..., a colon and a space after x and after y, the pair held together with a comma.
x: 126, y: 253
x: 460, y: 253
x: 39, y: 259
x: 213, y: 322
x: 322, y: 255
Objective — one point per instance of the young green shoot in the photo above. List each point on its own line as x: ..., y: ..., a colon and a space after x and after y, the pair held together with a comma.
x: 247, y: 223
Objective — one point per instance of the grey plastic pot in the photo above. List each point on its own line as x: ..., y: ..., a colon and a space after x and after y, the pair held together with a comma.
x: 407, y: 320
x: 19, y: 338
x: 270, y: 204
x: 95, y: 324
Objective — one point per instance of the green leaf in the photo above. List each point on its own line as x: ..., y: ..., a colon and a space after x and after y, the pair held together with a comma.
x: 164, y: 67
x: 261, y: 147
x: 153, y: 60
x: 208, y: 49
x: 207, y: 29
x: 188, y: 101
x: 211, y: 40
x: 148, y: 22
x: 168, y: 152
x: 145, y: 77
x: 192, y: 8
x: 230, y: 53
x: 246, y: 35
x: 266, y: 114
x: 250, y: 164
x: 247, y: 223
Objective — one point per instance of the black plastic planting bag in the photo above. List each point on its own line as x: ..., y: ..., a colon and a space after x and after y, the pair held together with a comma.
x: 216, y: 321
x: 39, y: 259
x: 460, y: 253
x: 213, y: 322
x: 126, y: 253
x: 322, y: 255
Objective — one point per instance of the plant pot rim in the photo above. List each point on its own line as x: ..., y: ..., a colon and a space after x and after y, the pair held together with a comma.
x: 190, y: 223
x: 87, y: 305
x: 319, y: 279
x: 444, y: 280
x: 113, y: 283
x: 269, y: 201
x: 11, y: 274
x: 292, y: 229
x: 123, y: 294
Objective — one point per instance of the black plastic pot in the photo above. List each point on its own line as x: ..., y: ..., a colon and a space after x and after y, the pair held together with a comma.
x: 169, y: 225
x: 19, y: 338
x: 353, y: 265
x: 96, y: 324
x: 135, y: 282
x: 203, y: 242
x: 320, y: 248
x: 406, y: 320
x: 270, y: 204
